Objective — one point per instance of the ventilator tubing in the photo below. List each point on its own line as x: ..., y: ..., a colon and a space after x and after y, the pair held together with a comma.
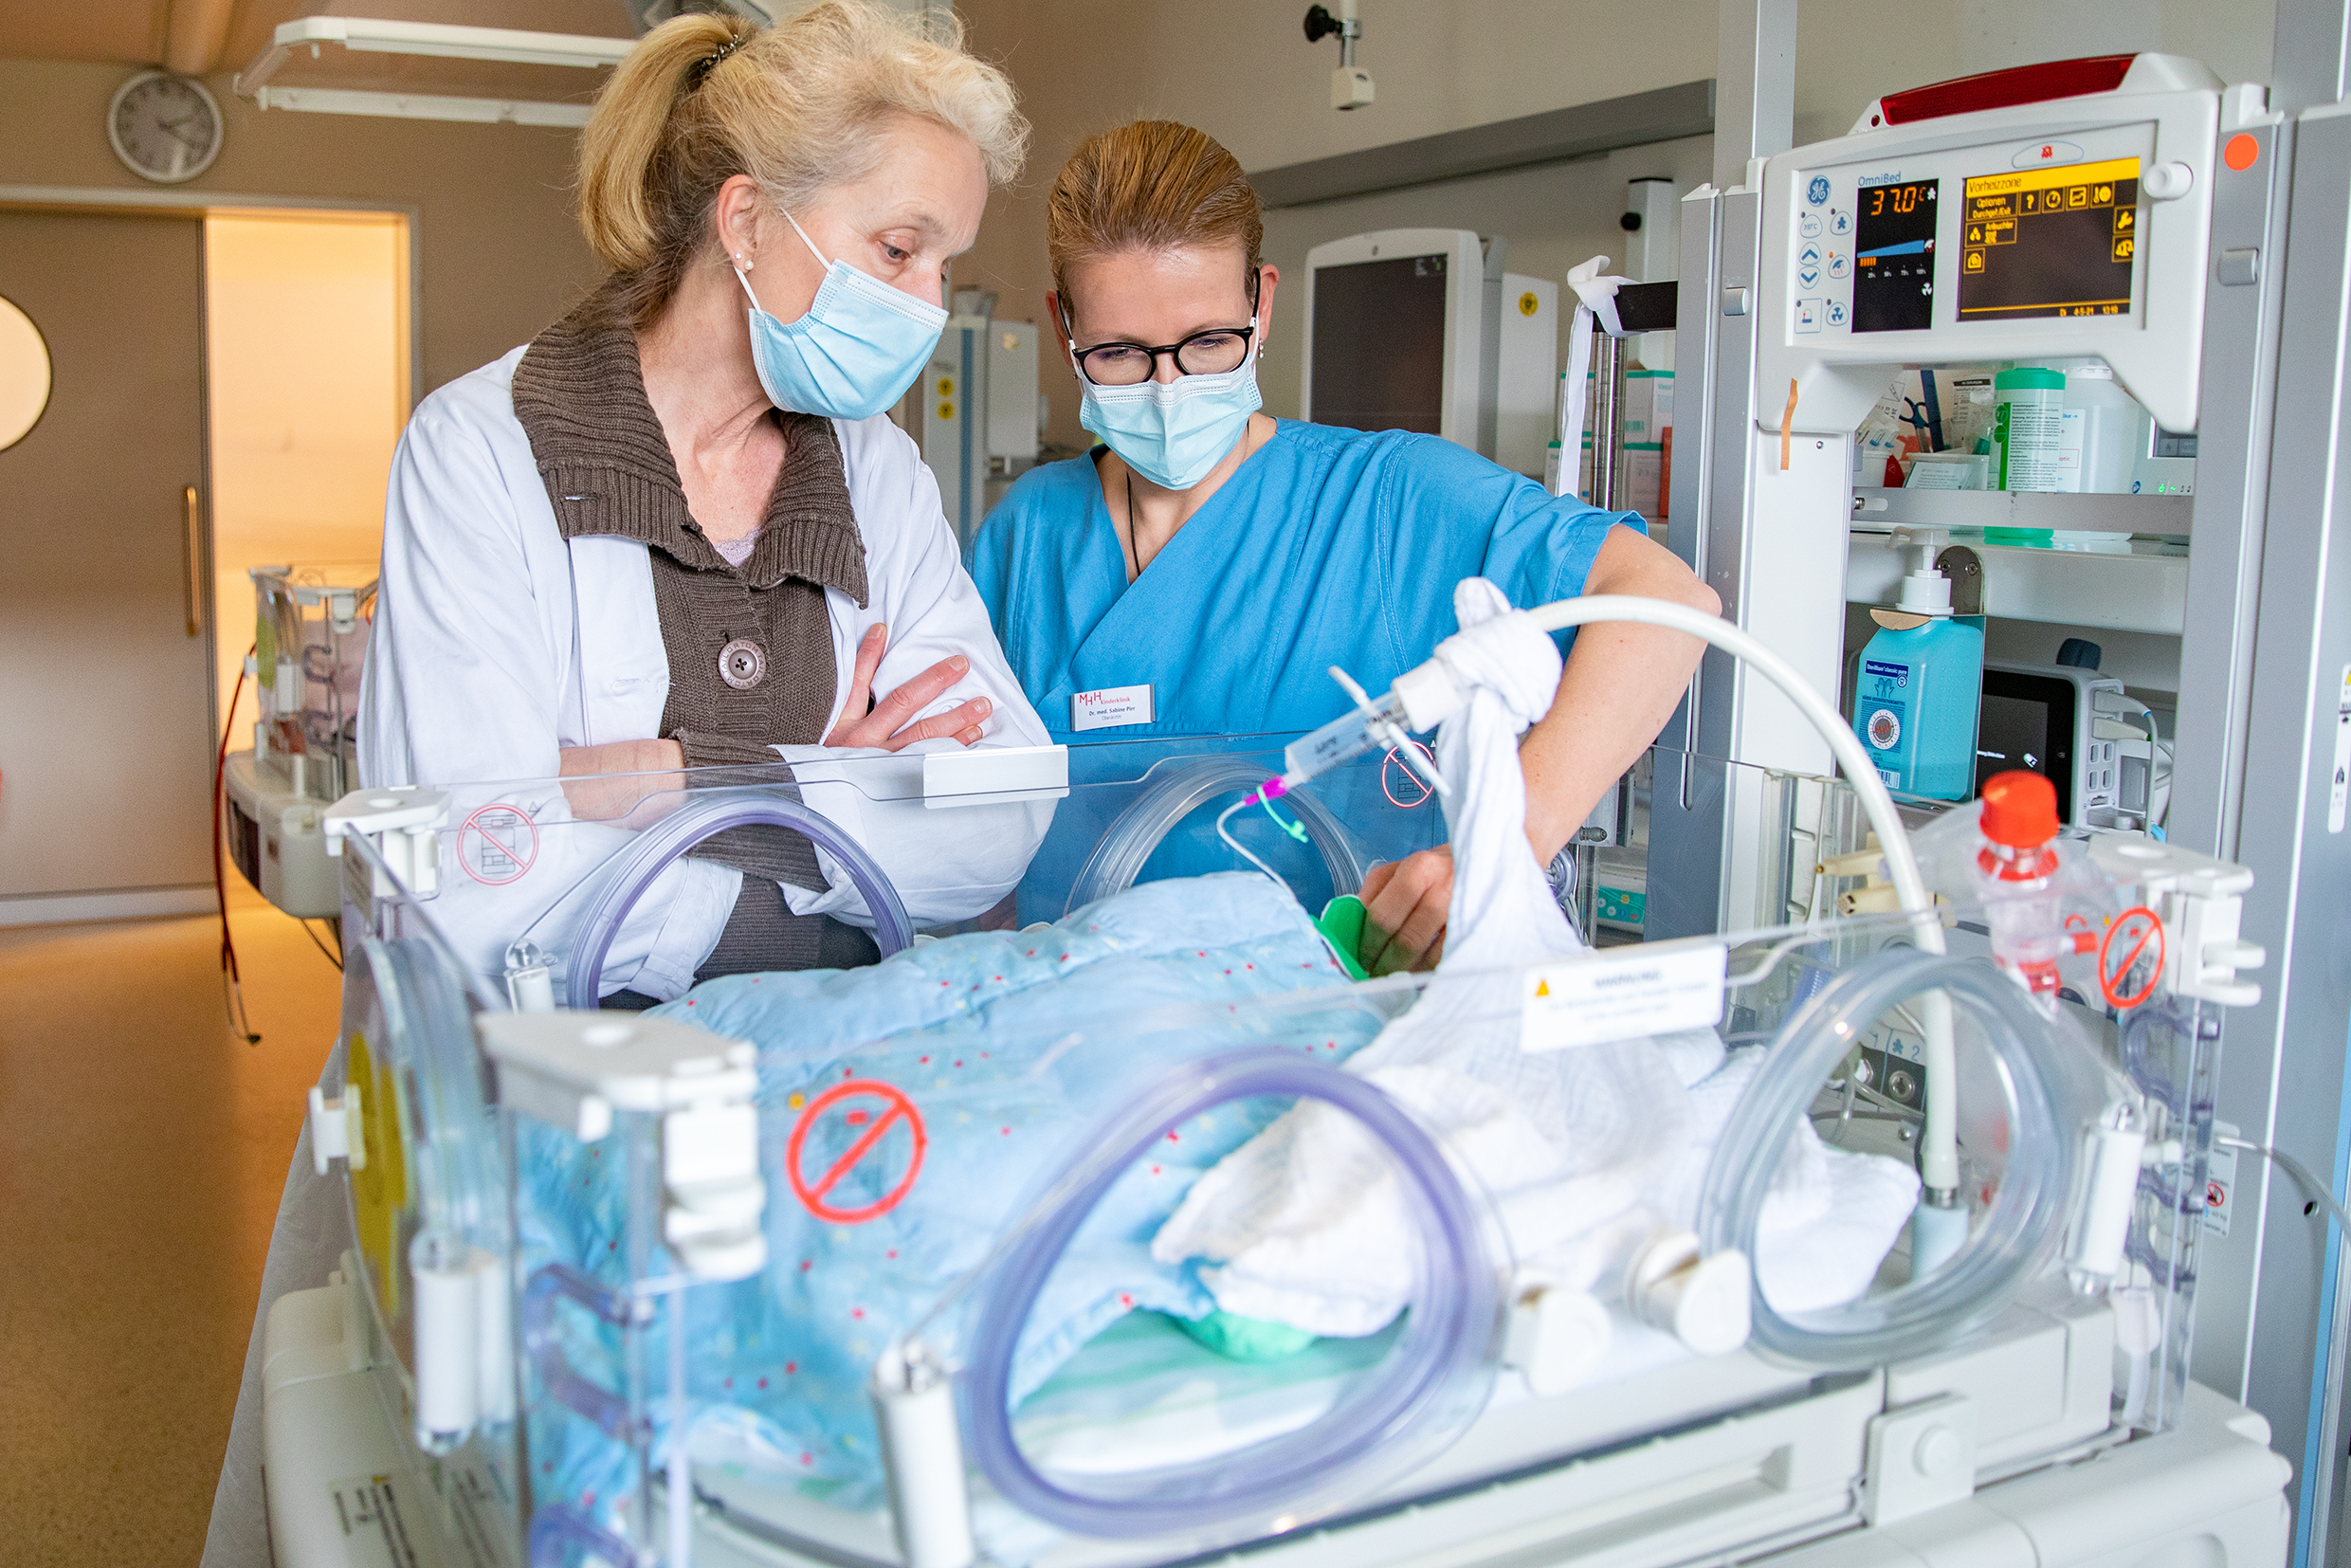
x: 1432, y: 1385
x: 2054, y: 1097
x: 655, y: 850
x: 1118, y: 860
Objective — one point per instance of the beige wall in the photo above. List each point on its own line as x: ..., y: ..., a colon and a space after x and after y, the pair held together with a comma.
x: 1241, y: 70
x: 502, y: 256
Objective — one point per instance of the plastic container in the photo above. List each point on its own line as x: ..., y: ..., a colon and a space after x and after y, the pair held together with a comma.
x: 2027, y: 428
x: 2105, y: 433
x: 2017, y: 871
x: 1920, y: 683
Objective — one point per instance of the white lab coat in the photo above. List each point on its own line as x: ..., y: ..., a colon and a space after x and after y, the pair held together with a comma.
x: 479, y: 671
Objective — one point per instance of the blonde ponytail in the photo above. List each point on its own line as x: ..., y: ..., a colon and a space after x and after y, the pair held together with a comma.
x: 799, y: 107
x: 629, y: 132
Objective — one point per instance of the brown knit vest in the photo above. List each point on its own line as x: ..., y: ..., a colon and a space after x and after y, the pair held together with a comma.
x: 749, y: 649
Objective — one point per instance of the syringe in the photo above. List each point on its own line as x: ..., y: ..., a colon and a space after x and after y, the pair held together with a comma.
x: 1373, y: 723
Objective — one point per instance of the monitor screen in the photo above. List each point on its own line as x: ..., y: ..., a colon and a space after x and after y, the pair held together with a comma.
x: 2049, y: 242
x: 1894, y: 257
x: 2027, y: 721
x: 1379, y: 344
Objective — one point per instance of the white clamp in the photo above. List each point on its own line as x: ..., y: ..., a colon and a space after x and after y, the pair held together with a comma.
x: 2200, y: 900
x: 573, y: 1070
x: 336, y: 1129
x: 404, y: 823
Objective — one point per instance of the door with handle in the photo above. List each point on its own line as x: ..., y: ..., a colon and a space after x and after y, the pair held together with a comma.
x: 105, y: 687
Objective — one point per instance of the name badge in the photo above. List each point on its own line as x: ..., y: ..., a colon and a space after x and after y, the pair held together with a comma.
x: 1110, y: 706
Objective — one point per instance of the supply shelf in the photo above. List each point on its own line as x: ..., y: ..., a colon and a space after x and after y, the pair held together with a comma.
x: 1964, y: 510
x: 2139, y: 585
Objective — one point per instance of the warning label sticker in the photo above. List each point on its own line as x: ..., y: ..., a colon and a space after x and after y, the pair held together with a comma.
x: 1592, y: 1000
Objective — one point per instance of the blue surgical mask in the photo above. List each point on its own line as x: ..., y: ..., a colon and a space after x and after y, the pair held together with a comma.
x: 854, y: 353
x: 1172, y: 433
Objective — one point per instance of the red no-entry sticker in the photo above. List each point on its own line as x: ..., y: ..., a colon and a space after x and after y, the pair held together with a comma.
x: 1394, y: 770
x: 875, y: 1122
x: 497, y: 845
x: 2128, y: 940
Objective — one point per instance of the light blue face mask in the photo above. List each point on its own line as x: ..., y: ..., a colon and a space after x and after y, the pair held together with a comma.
x: 854, y: 353
x: 1172, y: 433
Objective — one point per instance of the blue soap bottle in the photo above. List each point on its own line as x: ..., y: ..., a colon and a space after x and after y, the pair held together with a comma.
x: 1920, y: 687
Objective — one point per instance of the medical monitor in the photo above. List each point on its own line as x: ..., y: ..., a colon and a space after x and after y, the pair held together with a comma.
x: 1391, y: 378
x: 2029, y: 230
x: 1399, y: 334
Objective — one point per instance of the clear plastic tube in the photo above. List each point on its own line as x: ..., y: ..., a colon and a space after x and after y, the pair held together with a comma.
x: 1118, y: 860
x: 2053, y: 1089
x: 655, y: 850
x: 1432, y: 1382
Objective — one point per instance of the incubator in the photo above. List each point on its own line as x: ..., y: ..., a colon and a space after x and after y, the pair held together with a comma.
x: 310, y: 637
x: 963, y: 1258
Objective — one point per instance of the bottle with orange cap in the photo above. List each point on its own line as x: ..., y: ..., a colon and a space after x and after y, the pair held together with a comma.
x: 2017, y: 869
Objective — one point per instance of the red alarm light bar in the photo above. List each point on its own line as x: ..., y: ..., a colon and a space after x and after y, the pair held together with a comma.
x: 1965, y: 95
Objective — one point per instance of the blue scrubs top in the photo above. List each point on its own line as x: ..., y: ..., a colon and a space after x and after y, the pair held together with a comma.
x: 1327, y: 546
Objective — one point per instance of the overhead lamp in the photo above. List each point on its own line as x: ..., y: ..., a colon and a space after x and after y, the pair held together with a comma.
x: 507, y: 45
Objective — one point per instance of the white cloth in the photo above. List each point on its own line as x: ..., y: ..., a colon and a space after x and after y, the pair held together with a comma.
x: 1595, y: 300
x: 479, y: 671
x: 1584, y: 1154
x: 1305, y: 1224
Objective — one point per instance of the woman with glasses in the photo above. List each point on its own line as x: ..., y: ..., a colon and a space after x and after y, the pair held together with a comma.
x: 1199, y: 571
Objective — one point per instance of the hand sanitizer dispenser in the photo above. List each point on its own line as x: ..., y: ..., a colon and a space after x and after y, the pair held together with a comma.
x: 1922, y: 682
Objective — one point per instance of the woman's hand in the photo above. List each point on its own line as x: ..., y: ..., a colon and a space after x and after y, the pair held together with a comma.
x: 650, y: 769
x: 886, y: 723
x: 1404, y: 903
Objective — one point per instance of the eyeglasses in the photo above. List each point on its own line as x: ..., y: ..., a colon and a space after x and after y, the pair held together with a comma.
x: 1209, y: 353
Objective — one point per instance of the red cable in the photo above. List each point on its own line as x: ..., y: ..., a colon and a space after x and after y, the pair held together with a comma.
x: 220, y: 874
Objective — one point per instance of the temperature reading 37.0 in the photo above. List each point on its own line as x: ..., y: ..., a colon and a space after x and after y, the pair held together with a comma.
x: 1894, y: 257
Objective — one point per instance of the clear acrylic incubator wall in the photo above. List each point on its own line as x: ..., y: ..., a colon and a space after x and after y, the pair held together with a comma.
x: 310, y: 637
x: 1119, y: 1216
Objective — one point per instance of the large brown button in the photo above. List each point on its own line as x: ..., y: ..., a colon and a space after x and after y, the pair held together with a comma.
x: 742, y: 663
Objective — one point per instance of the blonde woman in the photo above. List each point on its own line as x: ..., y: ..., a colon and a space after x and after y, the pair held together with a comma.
x: 1225, y: 559
x: 676, y: 529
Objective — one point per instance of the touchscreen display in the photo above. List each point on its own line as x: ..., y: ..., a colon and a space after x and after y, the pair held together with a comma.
x: 2049, y: 242
x: 1390, y: 376
x: 1894, y: 258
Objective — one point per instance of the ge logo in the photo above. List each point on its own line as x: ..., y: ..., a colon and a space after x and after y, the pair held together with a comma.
x: 1818, y: 191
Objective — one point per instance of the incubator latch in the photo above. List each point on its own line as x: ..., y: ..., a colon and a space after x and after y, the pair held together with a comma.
x: 575, y: 1070
x: 404, y: 823
x: 1921, y: 1457
x: 336, y: 1128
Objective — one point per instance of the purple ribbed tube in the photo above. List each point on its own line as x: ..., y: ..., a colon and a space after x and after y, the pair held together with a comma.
x: 1412, y: 1402
x: 659, y: 846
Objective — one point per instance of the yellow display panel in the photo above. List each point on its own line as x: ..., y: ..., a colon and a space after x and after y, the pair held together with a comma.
x: 2049, y: 242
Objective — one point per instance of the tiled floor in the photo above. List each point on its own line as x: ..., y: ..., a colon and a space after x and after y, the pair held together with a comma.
x: 142, y: 1147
